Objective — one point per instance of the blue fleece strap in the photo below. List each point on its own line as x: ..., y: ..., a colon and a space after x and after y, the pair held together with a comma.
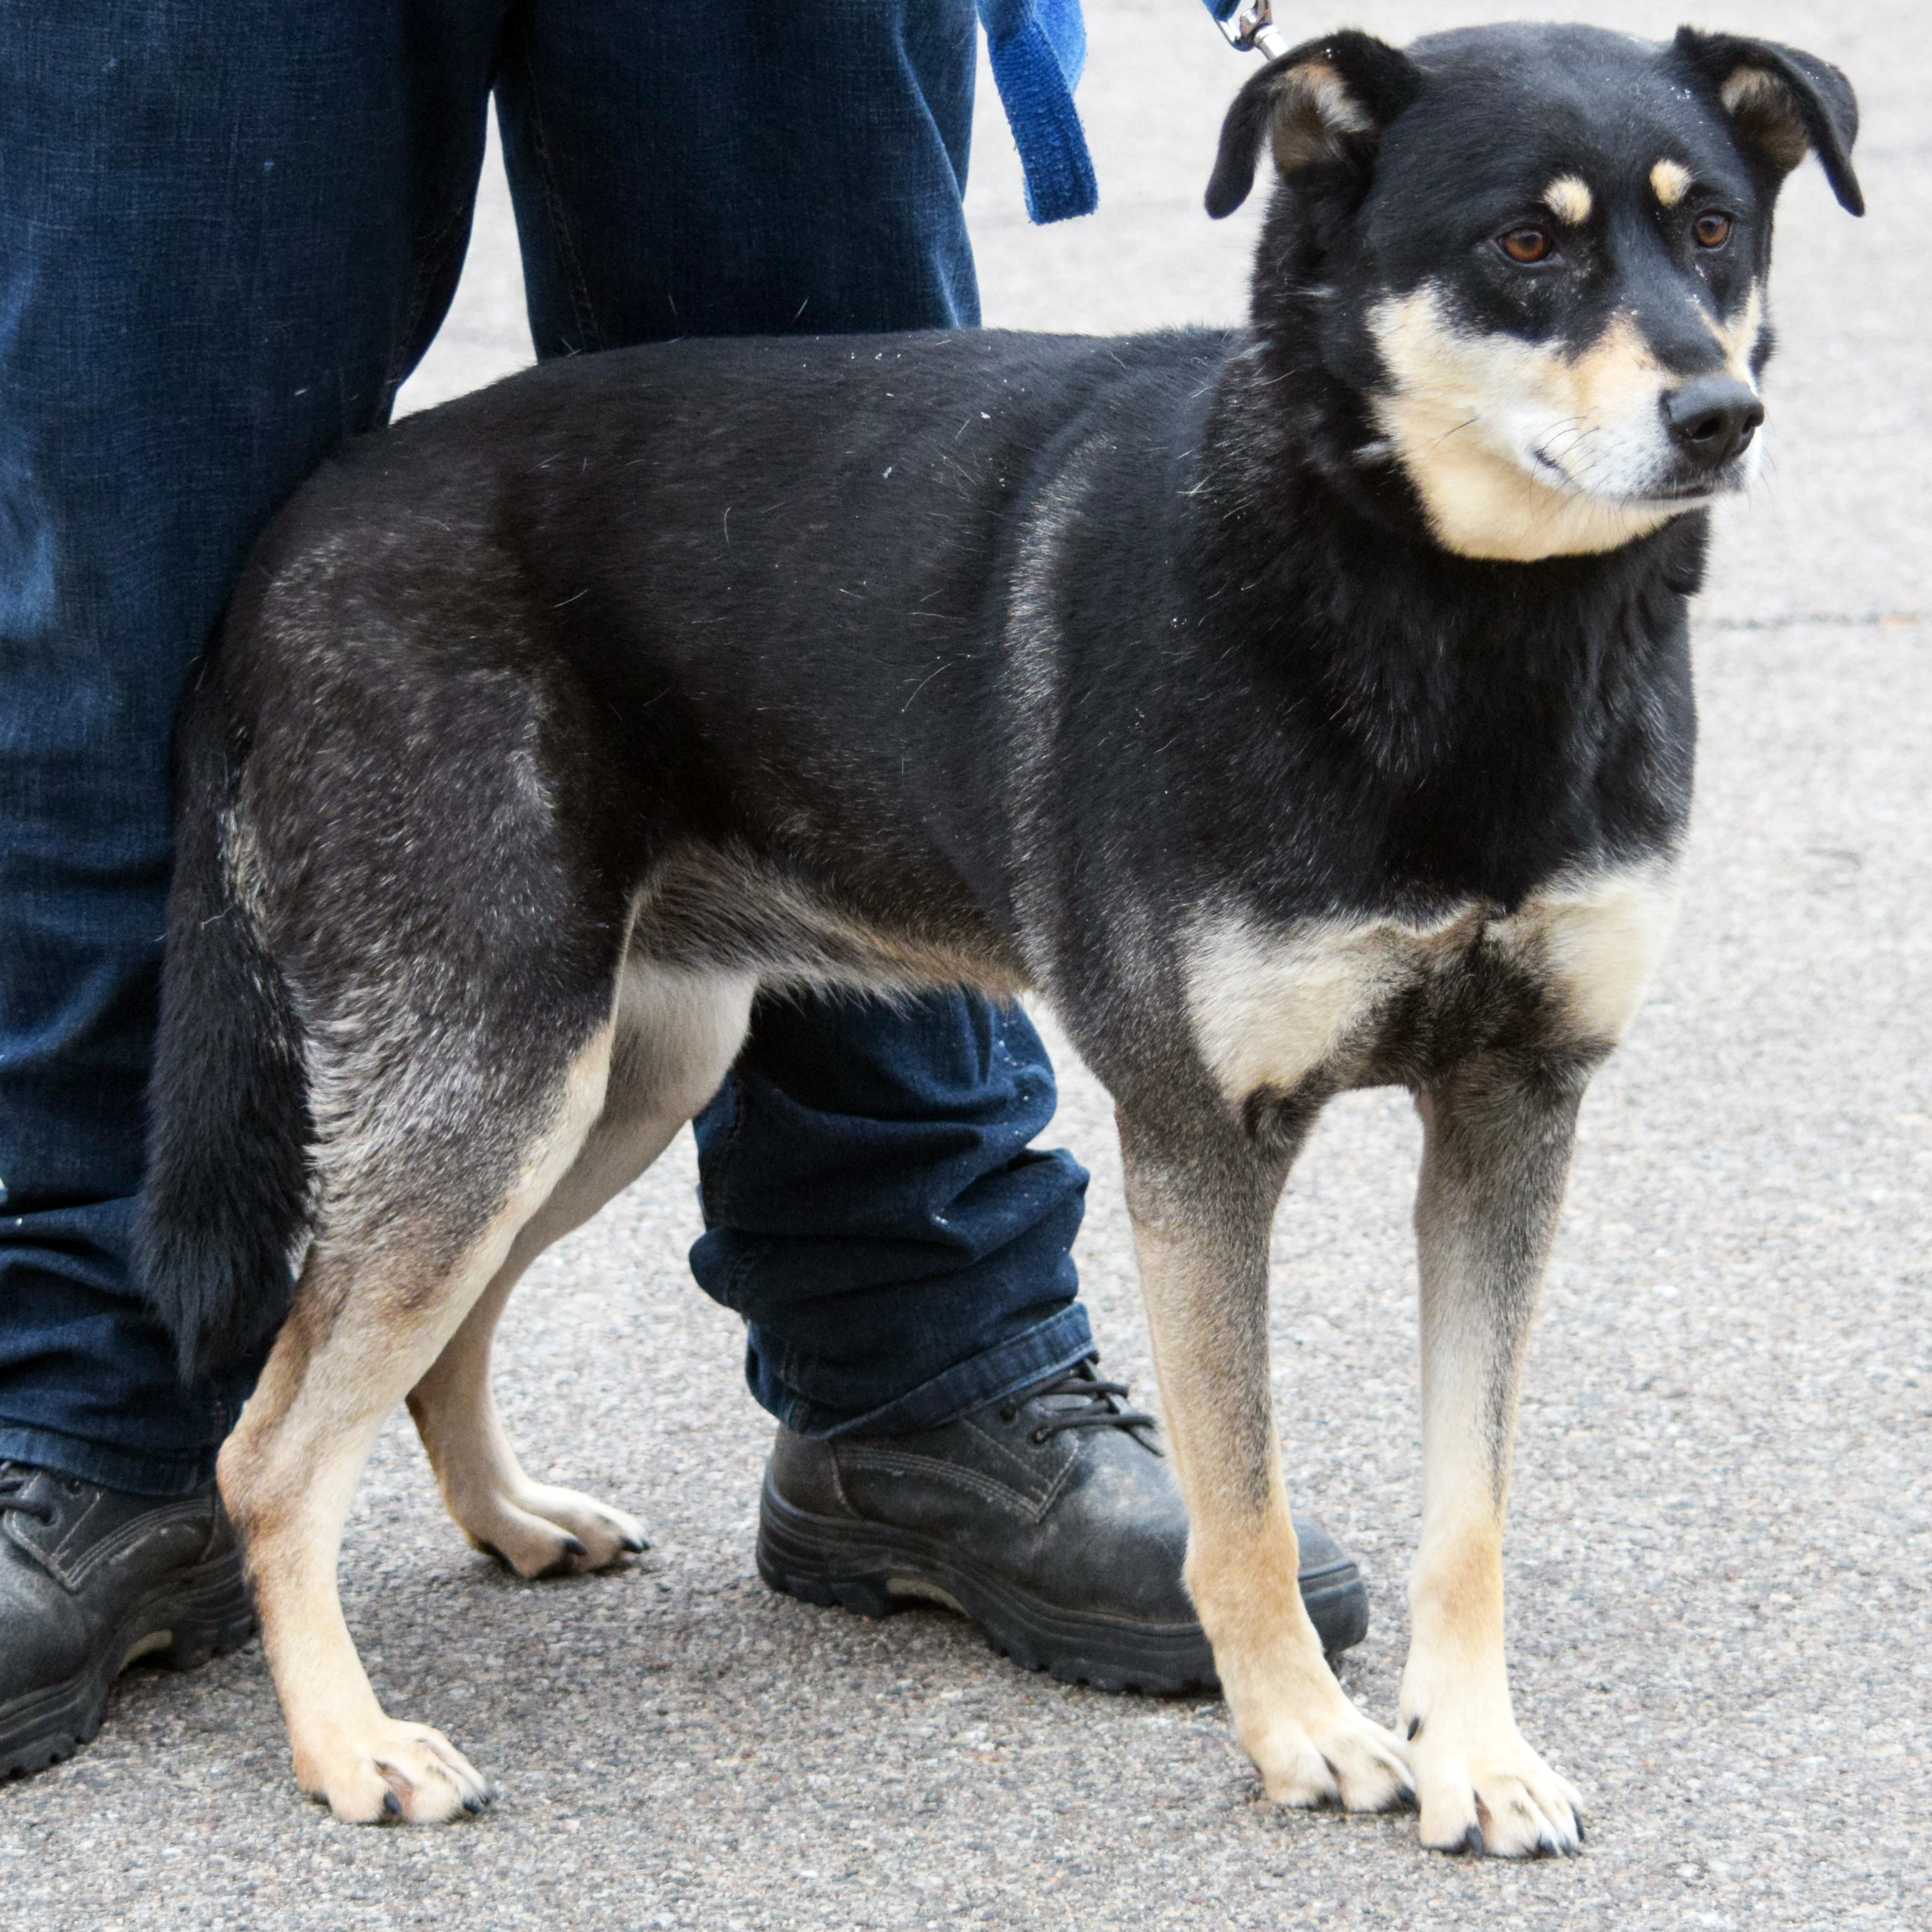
x: 1038, y: 48
x: 1221, y: 9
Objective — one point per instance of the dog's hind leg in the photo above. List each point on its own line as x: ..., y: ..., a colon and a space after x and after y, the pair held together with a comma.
x: 677, y: 1034
x: 401, y: 1253
x: 1201, y: 1222
x: 1498, y: 1135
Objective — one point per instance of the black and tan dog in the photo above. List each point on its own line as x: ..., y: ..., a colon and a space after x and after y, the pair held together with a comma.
x: 1296, y: 709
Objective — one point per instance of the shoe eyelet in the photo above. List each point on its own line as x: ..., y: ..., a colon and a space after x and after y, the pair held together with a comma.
x: 1037, y: 1436
x: 1008, y: 1413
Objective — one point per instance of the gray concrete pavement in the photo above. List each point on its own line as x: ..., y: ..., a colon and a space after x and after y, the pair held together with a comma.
x: 1722, y: 1521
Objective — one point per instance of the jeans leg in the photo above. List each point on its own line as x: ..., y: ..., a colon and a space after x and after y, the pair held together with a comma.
x: 873, y: 1210
x: 872, y: 1206
x: 227, y: 229
x: 735, y: 169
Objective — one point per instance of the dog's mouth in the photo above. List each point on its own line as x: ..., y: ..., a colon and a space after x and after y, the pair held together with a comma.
x: 1700, y: 490
x: 1678, y: 492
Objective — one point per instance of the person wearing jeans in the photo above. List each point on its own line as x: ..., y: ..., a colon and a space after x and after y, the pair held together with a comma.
x: 227, y: 234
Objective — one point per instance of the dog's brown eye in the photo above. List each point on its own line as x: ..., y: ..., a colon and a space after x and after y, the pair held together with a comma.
x: 1712, y: 230
x: 1526, y: 245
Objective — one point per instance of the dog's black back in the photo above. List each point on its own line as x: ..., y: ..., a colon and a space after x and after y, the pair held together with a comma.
x: 1352, y: 723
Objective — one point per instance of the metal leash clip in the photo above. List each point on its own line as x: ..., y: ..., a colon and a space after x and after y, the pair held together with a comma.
x: 1251, y: 26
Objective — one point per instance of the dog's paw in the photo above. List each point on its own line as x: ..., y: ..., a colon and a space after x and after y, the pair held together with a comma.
x: 1482, y: 1789
x: 1333, y: 1756
x: 390, y: 1772
x: 540, y: 1530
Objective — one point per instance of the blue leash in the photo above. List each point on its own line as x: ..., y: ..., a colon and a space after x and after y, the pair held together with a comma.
x: 1038, y: 48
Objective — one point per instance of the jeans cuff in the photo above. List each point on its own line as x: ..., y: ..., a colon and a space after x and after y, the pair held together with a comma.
x: 130, y: 1469
x: 1017, y: 1363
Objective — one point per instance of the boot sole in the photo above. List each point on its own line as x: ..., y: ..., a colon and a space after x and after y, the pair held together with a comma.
x: 202, y: 1613
x: 874, y: 1569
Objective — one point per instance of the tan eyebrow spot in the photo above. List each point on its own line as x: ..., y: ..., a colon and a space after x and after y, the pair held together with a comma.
x: 1668, y: 180
x: 1569, y: 200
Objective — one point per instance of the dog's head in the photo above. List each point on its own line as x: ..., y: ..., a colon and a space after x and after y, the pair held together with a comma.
x: 1537, y: 255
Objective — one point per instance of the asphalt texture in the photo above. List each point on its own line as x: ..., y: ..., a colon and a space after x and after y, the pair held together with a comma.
x: 1717, y: 1563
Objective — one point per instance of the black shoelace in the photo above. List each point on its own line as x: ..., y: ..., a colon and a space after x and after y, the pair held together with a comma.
x: 1100, y: 1405
x: 14, y: 1478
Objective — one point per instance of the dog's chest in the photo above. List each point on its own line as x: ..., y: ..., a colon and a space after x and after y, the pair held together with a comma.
x: 1366, y: 1002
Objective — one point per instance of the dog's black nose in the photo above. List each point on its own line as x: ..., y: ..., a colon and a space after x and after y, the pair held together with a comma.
x: 1713, y: 418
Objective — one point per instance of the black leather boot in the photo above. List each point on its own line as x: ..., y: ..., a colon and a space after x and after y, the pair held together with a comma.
x: 1050, y: 1518
x: 92, y: 1578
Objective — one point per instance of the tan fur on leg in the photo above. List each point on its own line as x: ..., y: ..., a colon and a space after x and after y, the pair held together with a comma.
x: 368, y: 1319
x: 1495, y: 1158
x: 539, y: 1529
x: 677, y: 1035
x: 1206, y: 1289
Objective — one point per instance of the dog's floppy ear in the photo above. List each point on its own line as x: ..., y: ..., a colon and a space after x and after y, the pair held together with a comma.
x: 1783, y: 104
x: 1326, y: 100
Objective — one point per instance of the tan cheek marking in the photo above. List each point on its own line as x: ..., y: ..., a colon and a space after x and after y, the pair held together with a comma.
x: 1612, y: 377
x: 1740, y: 334
x: 1741, y: 337
x: 1569, y: 200
x: 1450, y: 386
x: 1669, y: 181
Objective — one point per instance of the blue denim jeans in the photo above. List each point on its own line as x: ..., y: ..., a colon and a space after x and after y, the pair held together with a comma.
x: 228, y: 230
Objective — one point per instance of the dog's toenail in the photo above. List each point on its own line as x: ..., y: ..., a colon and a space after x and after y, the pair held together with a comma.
x: 1415, y: 1728
x: 1472, y: 1845
x: 392, y: 1805
x: 574, y: 1548
x: 636, y: 1545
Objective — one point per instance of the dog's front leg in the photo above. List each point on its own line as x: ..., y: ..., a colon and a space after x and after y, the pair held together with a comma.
x: 1201, y: 1223
x: 1498, y: 1136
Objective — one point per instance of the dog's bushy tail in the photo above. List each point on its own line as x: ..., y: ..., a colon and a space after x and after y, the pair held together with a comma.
x: 226, y: 1199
